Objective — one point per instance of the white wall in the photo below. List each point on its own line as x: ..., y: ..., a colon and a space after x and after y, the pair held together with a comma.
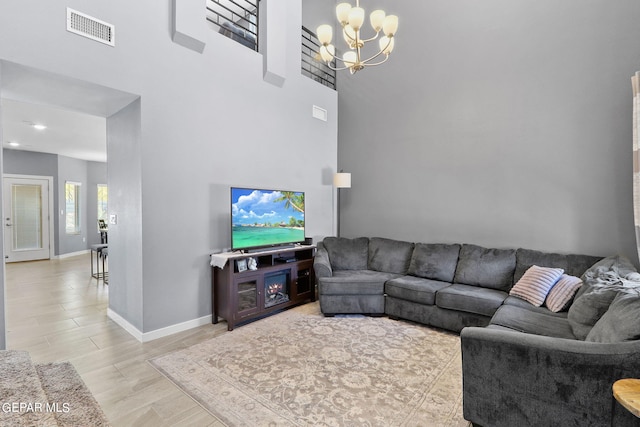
x: 496, y: 122
x: 3, y: 335
x: 207, y: 121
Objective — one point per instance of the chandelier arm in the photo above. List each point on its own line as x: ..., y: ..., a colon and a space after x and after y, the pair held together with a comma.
x: 367, y: 64
x: 336, y: 58
x: 378, y: 54
x: 374, y: 57
x: 372, y: 38
x: 338, y: 68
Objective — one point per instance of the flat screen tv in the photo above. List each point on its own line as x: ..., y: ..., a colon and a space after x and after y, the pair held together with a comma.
x: 266, y: 218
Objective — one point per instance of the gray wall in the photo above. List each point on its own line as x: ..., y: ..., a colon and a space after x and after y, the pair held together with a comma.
x: 496, y: 122
x: 207, y: 121
x: 40, y: 164
x: 125, y: 237
x: 62, y: 168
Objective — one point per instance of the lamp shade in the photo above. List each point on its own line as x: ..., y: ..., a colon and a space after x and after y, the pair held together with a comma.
x: 376, y: 18
x: 390, y: 25
x: 386, y: 44
x: 325, y: 33
x: 342, y: 180
x: 342, y: 12
x: 327, y: 53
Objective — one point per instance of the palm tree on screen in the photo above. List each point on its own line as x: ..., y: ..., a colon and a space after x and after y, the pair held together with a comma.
x: 292, y: 200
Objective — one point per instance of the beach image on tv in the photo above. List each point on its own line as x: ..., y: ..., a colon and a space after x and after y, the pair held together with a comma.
x: 266, y: 218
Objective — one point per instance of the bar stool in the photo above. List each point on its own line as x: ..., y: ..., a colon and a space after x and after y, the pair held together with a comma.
x: 98, y: 250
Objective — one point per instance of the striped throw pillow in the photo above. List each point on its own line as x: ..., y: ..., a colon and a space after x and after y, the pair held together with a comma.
x: 535, y: 284
x: 562, y: 292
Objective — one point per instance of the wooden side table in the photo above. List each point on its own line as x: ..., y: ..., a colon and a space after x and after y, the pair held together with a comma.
x: 627, y: 393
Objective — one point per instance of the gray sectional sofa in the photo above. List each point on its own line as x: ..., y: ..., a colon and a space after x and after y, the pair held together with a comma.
x: 523, y: 365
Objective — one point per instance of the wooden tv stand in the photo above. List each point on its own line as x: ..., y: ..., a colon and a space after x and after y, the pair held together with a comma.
x: 282, y: 278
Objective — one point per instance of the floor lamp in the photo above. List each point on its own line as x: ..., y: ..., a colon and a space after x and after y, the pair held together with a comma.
x: 341, y: 180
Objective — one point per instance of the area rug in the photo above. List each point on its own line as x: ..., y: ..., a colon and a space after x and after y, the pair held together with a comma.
x: 51, y: 394
x: 298, y: 368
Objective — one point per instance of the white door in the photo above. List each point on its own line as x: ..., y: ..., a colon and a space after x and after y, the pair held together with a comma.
x: 26, y: 218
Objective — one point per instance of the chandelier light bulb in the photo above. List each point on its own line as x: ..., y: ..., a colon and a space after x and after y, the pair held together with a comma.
x: 342, y: 12
x: 356, y: 18
x: 376, y: 19
x: 386, y: 44
x: 349, y: 36
x: 327, y: 52
x: 325, y: 33
x: 350, y: 58
x: 390, y: 25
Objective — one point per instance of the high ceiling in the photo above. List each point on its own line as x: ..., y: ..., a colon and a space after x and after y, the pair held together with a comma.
x: 74, y: 112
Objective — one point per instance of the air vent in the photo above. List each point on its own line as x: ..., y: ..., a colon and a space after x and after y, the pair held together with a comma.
x: 89, y: 27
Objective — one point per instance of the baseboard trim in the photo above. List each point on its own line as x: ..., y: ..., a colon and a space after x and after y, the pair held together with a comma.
x: 178, y: 327
x: 124, y: 324
x: 71, y: 254
x: 158, y: 333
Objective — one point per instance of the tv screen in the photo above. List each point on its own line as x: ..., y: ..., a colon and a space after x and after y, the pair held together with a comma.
x: 266, y: 218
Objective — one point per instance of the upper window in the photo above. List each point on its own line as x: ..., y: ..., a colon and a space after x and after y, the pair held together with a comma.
x: 236, y: 19
x: 103, y: 198
x: 72, y: 207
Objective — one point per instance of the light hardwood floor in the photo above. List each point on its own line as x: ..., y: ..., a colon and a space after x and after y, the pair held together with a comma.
x: 57, y: 312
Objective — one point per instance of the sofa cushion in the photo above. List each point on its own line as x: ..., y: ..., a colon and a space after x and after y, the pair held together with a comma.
x: 415, y: 289
x: 471, y: 299
x: 390, y: 256
x: 562, y: 293
x: 621, y: 322
x: 347, y: 254
x: 434, y: 261
x: 574, y: 265
x: 354, y: 282
x: 489, y: 268
x: 518, y: 302
x: 591, y: 302
x: 536, y: 283
x: 532, y: 322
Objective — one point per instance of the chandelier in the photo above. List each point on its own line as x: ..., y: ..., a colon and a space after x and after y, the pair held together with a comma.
x: 352, y: 19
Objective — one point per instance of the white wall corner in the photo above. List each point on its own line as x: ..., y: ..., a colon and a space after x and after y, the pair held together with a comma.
x: 273, y: 40
x: 125, y: 324
x: 189, y: 24
x: 158, y: 333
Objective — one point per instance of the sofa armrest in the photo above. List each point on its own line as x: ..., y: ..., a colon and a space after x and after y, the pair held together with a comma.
x: 512, y: 378
x: 321, y: 264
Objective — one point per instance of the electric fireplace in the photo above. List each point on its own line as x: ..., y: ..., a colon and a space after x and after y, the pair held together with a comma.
x: 276, y: 288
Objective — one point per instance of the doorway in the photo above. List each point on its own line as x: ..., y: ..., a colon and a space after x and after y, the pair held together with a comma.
x: 27, y: 217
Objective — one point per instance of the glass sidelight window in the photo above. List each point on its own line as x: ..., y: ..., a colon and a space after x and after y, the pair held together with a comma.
x: 72, y: 207
x: 103, y: 199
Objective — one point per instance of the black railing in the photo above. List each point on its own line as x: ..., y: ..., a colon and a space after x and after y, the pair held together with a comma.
x: 236, y: 19
x: 312, y: 65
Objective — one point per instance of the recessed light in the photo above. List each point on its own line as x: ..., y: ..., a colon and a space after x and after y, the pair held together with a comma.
x: 38, y: 126
x: 14, y: 144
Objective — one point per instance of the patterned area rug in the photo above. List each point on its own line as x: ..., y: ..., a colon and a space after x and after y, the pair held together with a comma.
x: 298, y: 368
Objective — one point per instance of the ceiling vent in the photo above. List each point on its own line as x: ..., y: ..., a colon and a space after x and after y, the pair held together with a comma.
x: 92, y: 28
